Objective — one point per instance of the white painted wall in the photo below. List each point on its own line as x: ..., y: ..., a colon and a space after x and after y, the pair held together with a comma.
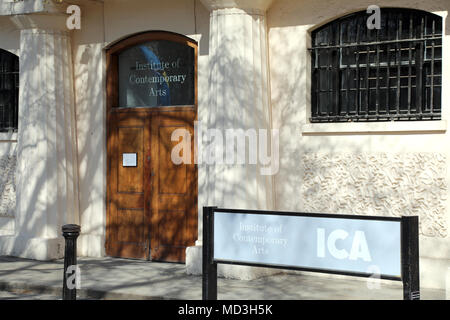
x: 358, y: 168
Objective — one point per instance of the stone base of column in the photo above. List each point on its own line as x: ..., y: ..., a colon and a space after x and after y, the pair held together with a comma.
x: 194, y: 260
x: 194, y: 267
x: 32, y: 248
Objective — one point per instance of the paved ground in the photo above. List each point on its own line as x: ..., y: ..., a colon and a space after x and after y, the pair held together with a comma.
x: 111, y: 278
x: 26, y: 295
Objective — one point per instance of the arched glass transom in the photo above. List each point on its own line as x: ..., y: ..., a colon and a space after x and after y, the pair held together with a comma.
x: 156, y: 73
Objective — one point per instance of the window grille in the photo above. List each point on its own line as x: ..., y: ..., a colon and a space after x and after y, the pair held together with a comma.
x: 386, y: 74
x: 9, y: 91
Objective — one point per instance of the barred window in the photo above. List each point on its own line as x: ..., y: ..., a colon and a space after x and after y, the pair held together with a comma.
x: 9, y: 91
x: 385, y: 74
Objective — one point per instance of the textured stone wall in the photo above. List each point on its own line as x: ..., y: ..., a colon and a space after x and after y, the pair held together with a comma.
x: 379, y: 184
x: 7, y: 186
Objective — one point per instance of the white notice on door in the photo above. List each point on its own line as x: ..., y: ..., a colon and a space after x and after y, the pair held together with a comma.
x: 129, y: 159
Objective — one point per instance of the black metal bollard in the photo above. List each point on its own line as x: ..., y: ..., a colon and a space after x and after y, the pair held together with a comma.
x: 70, y: 233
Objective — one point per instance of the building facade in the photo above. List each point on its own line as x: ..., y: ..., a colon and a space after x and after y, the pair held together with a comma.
x: 88, y: 112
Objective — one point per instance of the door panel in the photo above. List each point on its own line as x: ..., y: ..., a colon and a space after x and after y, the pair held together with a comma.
x: 131, y: 229
x: 152, y: 207
x: 131, y: 179
x: 174, y: 192
x: 127, y: 223
x: 172, y: 177
x: 172, y: 234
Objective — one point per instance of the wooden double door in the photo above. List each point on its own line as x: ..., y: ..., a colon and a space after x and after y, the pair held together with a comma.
x: 152, y: 201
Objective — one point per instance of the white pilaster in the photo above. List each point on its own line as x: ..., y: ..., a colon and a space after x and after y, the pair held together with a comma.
x: 238, y: 99
x: 47, y: 171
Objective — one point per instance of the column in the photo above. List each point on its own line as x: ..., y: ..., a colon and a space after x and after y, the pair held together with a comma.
x: 239, y: 98
x: 47, y: 172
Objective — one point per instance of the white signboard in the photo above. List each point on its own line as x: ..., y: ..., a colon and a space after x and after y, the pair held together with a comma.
x: 129, y: 159
x: 340, y: 244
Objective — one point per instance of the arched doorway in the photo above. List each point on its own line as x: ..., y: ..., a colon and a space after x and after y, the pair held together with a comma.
x: 151, y: 201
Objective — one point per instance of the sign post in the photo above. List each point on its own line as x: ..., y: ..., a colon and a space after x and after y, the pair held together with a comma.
x: 410, y: 258
x: 209, y: 281
x: 328, y: 243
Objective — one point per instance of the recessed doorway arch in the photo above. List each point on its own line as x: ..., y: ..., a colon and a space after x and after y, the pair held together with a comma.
x: 151, y: 201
